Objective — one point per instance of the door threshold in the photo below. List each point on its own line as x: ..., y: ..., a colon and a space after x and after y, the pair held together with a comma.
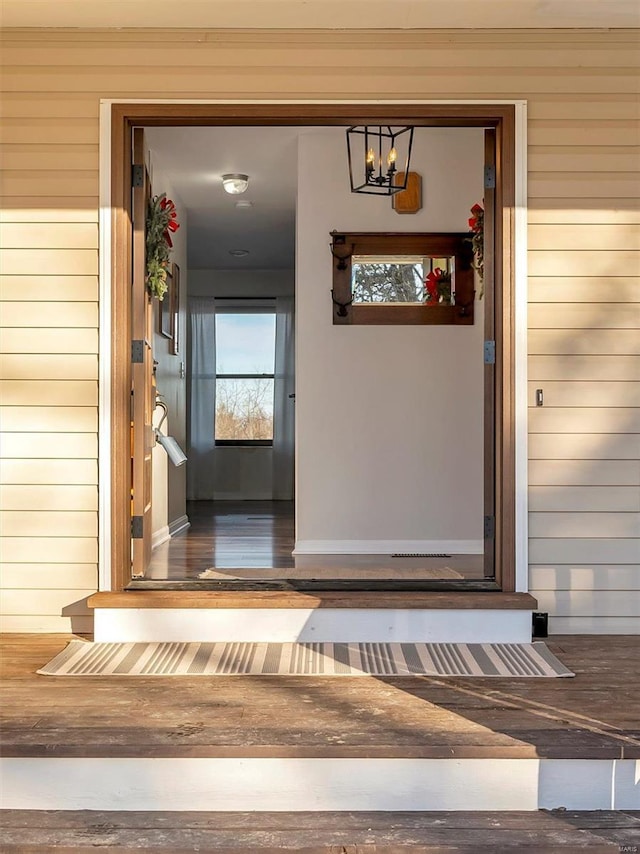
x: 312, y: 585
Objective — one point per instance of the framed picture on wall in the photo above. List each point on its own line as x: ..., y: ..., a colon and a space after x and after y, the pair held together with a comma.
x: 165, y: 308
x: 175, y: 309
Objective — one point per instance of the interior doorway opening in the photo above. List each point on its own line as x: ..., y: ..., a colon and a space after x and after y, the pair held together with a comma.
x: 332, y: 562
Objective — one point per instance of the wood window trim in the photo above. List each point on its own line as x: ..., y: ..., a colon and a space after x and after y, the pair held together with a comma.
x: 125, y: 116
x: 243, y: 443
x: 436, y: 244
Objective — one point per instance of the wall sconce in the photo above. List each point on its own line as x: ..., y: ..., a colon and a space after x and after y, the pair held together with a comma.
x: 378, y: 155
x: 235, y: 183
x: 173, y: 449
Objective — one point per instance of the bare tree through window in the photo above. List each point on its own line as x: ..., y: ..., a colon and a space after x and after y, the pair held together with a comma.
x: 244, y: 409
x: 245, y: 366
x: 387, y: 282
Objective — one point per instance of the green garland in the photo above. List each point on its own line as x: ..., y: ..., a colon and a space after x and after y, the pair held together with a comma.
x: 161, y: 220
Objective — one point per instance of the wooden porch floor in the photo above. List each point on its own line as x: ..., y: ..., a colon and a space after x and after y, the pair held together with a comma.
x: 595, y: 716
x: 601, y: 832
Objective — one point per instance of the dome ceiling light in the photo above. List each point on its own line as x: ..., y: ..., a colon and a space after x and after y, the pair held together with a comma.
x: 235, y: 183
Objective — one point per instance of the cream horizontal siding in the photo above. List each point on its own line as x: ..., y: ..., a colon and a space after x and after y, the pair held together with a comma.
x: 48, y: 376
x: 49, y: 419
x: 33, y: 366
x: 45, y: 339
x: 38, y: 576
x: 49, y: 471
x: 590, y: 446
x: 53, y: 498
x: 584, y: 291
x: 24, y: 288
x: 45, y: 446
x: 45, y: 523
x: 584, y: 472
x: 562, y: 499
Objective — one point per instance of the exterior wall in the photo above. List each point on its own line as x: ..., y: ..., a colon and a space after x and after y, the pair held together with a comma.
x: 584, y: 311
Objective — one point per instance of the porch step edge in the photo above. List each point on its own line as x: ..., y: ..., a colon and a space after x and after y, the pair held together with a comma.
x: 413, y: 600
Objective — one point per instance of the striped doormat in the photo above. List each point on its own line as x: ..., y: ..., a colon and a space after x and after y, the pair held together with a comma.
x: 81, y: 658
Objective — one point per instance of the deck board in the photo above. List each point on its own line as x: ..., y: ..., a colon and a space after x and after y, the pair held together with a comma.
x: 319, y: 833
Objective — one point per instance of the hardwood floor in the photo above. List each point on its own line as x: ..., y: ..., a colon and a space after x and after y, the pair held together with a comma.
x: 231, y: 540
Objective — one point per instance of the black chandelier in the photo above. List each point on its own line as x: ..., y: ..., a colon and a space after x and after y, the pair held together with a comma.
x: 381, y: 166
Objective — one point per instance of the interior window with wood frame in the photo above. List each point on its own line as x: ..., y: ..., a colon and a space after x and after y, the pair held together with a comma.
x: 402, y: 278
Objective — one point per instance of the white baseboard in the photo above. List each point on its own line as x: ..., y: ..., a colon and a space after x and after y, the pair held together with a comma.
x: 388, y: 547
x: 160, y: 536
x: 179, y: 525
x: 317, y: 784
x: 307, y: 625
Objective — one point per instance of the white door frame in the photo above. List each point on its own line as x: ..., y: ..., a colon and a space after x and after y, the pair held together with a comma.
x: 520, y: 313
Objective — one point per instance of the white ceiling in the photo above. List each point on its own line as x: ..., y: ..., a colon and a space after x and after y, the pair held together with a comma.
x: 322, y: 14
x: 193, y: 160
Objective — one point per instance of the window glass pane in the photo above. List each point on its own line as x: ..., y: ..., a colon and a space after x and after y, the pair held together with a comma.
x: 244, y: 409
x: 401, y: 279
x: 245, y: 343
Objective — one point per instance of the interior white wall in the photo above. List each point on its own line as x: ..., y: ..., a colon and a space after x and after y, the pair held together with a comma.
x: 389, y: 418
x: 242, y: 474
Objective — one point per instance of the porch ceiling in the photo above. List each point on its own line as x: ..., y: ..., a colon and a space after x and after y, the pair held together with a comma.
x: 322, y: 14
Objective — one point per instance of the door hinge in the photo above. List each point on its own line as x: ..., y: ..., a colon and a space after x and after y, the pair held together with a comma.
x: 137, y: 175
x: 489, y: 352
x: 137, y: 527
x: 489, y: 177
x: 137, y: 351
x: 489, y: 527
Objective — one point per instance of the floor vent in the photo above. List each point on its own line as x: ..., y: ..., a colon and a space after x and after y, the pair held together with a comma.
x: 416, y: 554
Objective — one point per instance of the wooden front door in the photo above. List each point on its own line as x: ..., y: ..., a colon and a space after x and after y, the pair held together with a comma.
x: 142, y: 385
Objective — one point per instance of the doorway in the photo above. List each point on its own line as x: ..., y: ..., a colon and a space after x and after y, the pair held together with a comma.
x: 500, y: 117
x: 229, y: 385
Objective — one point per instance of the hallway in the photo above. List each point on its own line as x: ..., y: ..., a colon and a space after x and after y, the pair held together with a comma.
x: 230, y: 540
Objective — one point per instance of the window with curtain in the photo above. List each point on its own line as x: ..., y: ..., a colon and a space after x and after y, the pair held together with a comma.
x: 245, y: 355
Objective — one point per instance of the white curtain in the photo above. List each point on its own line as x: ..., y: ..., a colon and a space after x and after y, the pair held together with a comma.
x: 284, y: 404
x: 202, y: 399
